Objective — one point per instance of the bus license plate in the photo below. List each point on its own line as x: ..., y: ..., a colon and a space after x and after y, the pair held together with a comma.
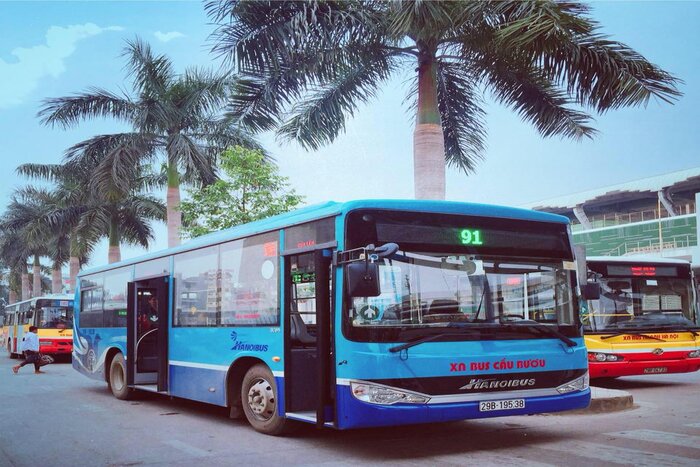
x: 656, y: 369
x: 510, y: 404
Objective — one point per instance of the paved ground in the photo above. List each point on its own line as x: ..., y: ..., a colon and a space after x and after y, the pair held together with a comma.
x: 64, y: 418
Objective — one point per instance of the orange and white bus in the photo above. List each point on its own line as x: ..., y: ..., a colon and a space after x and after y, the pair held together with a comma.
x: 645, y: 319
x: 52, y: 314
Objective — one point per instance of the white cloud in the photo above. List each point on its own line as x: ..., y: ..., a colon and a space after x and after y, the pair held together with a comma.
x: 167, y: 36
x: 20, y: 77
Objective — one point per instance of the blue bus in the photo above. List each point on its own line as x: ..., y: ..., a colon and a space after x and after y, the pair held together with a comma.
x: 357, y: 314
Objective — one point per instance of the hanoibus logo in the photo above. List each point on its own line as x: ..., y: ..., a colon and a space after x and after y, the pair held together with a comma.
x: 244, y: 346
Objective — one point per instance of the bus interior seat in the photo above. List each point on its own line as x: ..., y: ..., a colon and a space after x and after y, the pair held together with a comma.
x: 443, y: 307
x: 298, y: 331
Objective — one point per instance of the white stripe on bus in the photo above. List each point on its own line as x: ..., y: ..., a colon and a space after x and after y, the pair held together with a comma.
x: 209, y: 366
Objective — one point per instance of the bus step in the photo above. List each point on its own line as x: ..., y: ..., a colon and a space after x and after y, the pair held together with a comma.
x: 308, y: 416
x: 149, y: 388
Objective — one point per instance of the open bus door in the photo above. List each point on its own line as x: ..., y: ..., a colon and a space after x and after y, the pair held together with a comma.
x: 308, y: 329
x: 147, y: 333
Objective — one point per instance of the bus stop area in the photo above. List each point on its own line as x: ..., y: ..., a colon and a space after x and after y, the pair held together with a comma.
x: 61, y: 414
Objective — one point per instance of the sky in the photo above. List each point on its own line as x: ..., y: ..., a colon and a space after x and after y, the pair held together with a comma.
x: 58, y: 48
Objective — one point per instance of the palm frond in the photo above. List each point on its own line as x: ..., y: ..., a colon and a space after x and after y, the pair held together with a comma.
x: 600, y: 73
x: 52, y: 172
x: 195, y: 160
x: 152, y: 75
x: 462, y: 116
x: 533, y: 97
x: 322, y: 117
x: 68, y: 111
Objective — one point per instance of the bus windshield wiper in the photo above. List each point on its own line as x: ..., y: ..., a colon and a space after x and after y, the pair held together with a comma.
x: 529, y: 324
x: 421, y: 340
x: 632, y: 333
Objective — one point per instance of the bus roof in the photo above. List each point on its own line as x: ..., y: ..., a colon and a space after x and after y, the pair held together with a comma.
x: 333, y: 208
x: 56, y: 296
x: 636, y: 259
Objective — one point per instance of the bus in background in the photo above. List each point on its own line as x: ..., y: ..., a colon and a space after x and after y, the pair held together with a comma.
x: 645, y: 319
x: 52, y: 314
x: 345, y: 315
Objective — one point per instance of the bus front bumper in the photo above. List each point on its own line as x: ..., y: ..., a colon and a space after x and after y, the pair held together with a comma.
x: 353, y: 413
x: 56, y: 347
x: 642, y: 367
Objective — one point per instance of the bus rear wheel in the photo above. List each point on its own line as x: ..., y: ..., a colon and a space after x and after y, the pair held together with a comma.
x: 9, y: 349
x: 259, y: 397
x: 117, y: 378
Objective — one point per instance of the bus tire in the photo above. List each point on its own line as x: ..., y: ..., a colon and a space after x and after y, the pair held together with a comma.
x: 259, y: 397
x: 117, y: 378
x: 9, y: 349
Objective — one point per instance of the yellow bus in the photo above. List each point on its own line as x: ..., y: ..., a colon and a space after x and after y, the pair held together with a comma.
x: 52, y: 314
x: 644, y: 320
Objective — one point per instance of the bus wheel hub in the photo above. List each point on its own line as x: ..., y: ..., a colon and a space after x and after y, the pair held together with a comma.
x: 261, y: 399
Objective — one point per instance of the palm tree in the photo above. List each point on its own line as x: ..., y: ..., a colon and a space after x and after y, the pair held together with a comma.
x: 81, y: 210
x: 63, y: 208
x: 122, y: 216
x: 306, y: 66
x: 15, y: 252
x: 24, y: 219
x: 176, y: 116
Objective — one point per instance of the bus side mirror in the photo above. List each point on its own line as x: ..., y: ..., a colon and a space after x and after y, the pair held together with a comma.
x: 362, y: 279
x: 590, y: 291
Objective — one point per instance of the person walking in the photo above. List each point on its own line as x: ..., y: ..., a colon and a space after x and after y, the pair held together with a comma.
x: 30, y: 347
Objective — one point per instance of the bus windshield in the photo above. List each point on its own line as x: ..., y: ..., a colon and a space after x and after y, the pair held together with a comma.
x: 420, y: 290
x: 488, y: 275
x: 641, y: 302
x: 57, y: 317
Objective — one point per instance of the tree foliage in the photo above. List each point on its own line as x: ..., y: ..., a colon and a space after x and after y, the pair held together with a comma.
x: 252, y: 189
x: 176, y: 118
x: 306, y: 66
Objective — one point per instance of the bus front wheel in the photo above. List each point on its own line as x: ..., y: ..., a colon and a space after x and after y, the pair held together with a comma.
x: 259, y: 397
x: 117, y: 378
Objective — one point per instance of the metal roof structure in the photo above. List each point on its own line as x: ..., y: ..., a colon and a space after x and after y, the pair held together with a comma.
x: 678, y: 186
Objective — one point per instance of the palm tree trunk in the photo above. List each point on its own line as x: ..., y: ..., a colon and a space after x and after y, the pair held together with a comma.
x: 115, y: 254
x: 74, y: 261
x: 173, y: 205
x: 36, y: 286
x: 74, y: 266
x: 56, y: 279
x: 428, y: 139
x: 26, y: 291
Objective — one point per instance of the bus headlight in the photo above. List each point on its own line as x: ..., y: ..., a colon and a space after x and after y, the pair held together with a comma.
x: 603, y: 357
x: 694, y: 354
x: 578, y: 384
x: 375, y: 394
